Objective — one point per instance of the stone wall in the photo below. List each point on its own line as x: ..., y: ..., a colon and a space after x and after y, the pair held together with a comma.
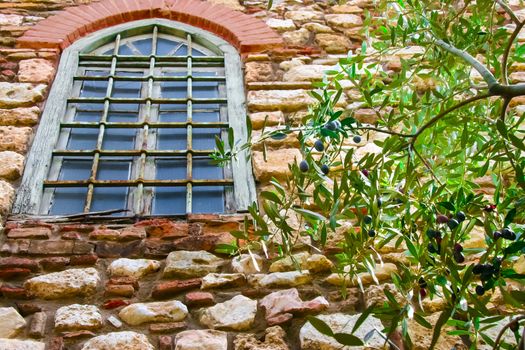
x: 155, y: 284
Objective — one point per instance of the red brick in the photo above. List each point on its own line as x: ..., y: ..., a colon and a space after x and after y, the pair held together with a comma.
x: 170, y: 327
x: 164, y: 228
x: 25, y: 263
x: 78, y: 227
x: 120, y: 290
x: 124, y: 280
x: 13, y: 292
x: 13, y: 272
x: 87, y: 260
x: 199, y: 299
x: 167, y: 289
x: 56, y: 263
x: 114, y: 303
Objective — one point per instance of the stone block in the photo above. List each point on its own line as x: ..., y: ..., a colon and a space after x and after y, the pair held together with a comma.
x: 276, y: 163
x: 15, y: 139
x: 36, y: 70
x: 20, y: 94
x: 19, y: 116
x: 11, y: 165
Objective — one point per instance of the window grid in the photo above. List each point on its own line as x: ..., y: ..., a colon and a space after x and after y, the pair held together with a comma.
x: 150, y: 127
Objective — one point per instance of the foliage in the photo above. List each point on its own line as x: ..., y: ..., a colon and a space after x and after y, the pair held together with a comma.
x: 446, y: 121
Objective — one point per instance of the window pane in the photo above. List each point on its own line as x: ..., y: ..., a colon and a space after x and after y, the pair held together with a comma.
x: 205, y: 89
x: 113, y: 170
x: 144, y: 46
x: 171, y: 169
x: 82, y: 139
x: 109, y: 198
x: 169, y: 201
x: 205, y: 117
x: 122, y: 117
x: 166, y: 47
x: 127, y: 89
x: 204, y: 138
x: 172, y: 139
x: 87, y: 116
x: 119, y: 139
x: 173, y: 117
x: 68, y: 200
x: 94, y: 88
x: 75, y: 169
x: 125, y: 50
x: 174, y: 89
x: 208, y: 199
x: 203, y: 169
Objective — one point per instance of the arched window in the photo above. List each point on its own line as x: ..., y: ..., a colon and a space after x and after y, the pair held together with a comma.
x: 130, y: 122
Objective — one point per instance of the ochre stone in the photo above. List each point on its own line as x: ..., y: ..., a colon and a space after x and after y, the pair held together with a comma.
x: 258, y: 71
x: 280, y: 279
x: 35, y: 70
x: 11, y: 165
x: 11, y: 322
x: 274, y: 339
x: 14, y: 139
x: 20, y: 94
x: 119, y: 340
x: 69, y: 283
x: 275, y: 164
x: 7, y: 195
x: 271, y: 118
x: 339, y: 21
x: 333, y: 43
x: 284, y: 100
x: 191, y: 263
x: 19, y: 116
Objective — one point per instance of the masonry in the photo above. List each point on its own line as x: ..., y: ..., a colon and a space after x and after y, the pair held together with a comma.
x: 157, y: 283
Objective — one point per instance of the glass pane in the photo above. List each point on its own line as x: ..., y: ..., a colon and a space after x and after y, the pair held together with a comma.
x: 195, y: 52
x: 94, y: 88
x: 113, y: 170
x: 205, y: 117
x: 165, y: 47
x: 125, y: 50
x: 172, y: 139
x: 68, y: 200
x: 83, y: 139
x: 144, y: 46
x: 171, y: 169
x: 86, y: 116
x: 181, y: 51
x: 119, y: 139
x: 169, y: 201
x: 174, y: 89
x: 208, y: 199
x: 205, y: 89
x: 75, y: 169
x: 109, y: 198
x: 88, y: 106
x: 203, y: 169
x: 125, y: 88
x: 122, y: 117
x: 124, y: 107
x: 173, y: 117
x: 204, y: 138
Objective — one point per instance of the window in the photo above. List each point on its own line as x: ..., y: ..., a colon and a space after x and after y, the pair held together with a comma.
x: 130, y: 122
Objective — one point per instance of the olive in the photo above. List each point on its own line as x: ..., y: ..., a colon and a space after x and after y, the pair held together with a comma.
x: 458, y: 247
x: 507, y: 233
x: 303, y: 166
x: 422, y: 293
x: 422, y: 283
x: 442, y: 219
x: 432, y: 249
x: 496, y: 235
x: 452, y: 224
x: 365, y: 172
x: 480, y: 290
x: 332, y: 126
x: 460, y: 216
x: 319, y: 146
x: 357, y: 139
x: 459, y: 258
x: 325, y: 169
x: 514, y: 326
x: 367, y: 219
x: 371, y: 233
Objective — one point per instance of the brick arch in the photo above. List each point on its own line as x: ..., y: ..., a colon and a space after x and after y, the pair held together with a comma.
x: 246, y: 33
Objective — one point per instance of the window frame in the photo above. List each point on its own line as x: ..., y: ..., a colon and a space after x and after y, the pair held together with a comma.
x: 39, y: 160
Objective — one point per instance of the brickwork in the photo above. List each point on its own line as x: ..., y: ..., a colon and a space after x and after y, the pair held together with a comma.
x: 158, y: 283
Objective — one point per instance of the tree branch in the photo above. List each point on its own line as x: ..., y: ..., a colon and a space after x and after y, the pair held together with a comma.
x: 502, y: 331
x: 506, y: 102
x: 477, y: 65
x: 505, y: 60
x: 509, y: 11
x: 445, y: 112
x: 384, y: 131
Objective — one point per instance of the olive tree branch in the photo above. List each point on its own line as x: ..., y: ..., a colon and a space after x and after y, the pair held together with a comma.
x: 425, y: 162
x: 502, y: 331
x: 504, y: 62
x: 509, y: 11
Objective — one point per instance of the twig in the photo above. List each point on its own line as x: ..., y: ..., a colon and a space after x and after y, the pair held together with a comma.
x: 506, y: 102
x: 427, y: 166
x: 384, y: 131
x: 444, y: 113
x: 505, y: 59
x: 509, y: 11
x: 502, y: 331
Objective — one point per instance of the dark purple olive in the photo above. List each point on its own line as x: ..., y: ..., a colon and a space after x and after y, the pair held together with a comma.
x: 357, y: 139
x: 452, y: 224
x: 303, y: 166
x: 422, y: 293
x: 365, y: 172
x: 459, y: 258
x: 460, y: 216
x: 325, y: 169
x: 496, y: 235
x: 480, y: 290
x: 367, y: 219
x: 442, y: 219
x: 507, y: 233
x: 458, y: 247
x: 371, y: 233
x: 332, y: 126
x: 489, y: 208
x: 422, y: 283
x: 319, y: 146
x: 432, y: 249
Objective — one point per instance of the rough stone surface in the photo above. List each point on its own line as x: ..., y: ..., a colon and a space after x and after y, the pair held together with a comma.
x: 7, y: 195
x: 217, y: 280
x: 338, y: 21
x: 168, y: 311
x: 20, y: 94
x: 303, y: 260
x: 11, y: 165
x: 78, y: 317
x: 19, y: 116
x: 275, y: 164
x: 311, y: 339
x: 307, y: 72
x: 14, y: 344
x: 12, y: 323
x: 333, y: 43
x: 302, y: 16
x: 14, y: 139
x: 237, y: 313
x: 36, y: 70
x: 421, y: 336
x: 272, y: 118
x: 381, y: 273
x: 119, y: 340
x: 297, y: 37
x: 234, y: 4
x: 281, y: 305
x: 258, y: 71
x: 280, y: 279
x: 201, y: 340
x: 11, y: 20
x: 69, y: 283
x: 191, y: 263
x: 247, y: 264
x: 284, y: 100
x: 281, y: 25
x: 274, y: 339
x: 136, y: 268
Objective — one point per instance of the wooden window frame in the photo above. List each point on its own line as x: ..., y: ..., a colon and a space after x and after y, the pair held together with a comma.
x: 39, y: 160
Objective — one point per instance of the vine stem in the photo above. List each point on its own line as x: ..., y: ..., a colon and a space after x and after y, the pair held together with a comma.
x: 504, y: 61
x: 502, y: 331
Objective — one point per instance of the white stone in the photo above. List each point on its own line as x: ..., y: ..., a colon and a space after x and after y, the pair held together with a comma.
x: 20, y: 94
x: 162, y: 311
x: 11, y: 322
x: 237, y: 313
x: 285, y: 100
x: 280, y: 279
x: 191, y: 263
x: 119, y: 341
x: 297, y: 37
x: 115, y: 322
x: 341, y: 21
x: 15, y: 344
x: 68, y: 283
x: 215, y: 280
x: 247, y: 264
x: 11, y: 20
x: 7, y: 194
x: 302, y: 16
x: 318, y: 28
x: 280, y: 25
x: 311, y: 339
x: 201, y: 340
x: 133, y: 267
x: 78, y: 317
x: 310, y: 72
